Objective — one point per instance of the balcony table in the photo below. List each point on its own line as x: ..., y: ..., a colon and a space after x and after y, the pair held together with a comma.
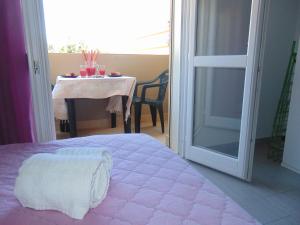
x: 119, y: 90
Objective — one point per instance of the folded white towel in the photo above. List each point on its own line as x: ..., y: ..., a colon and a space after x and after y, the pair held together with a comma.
x: 63, y: 182
x: 103, y: 152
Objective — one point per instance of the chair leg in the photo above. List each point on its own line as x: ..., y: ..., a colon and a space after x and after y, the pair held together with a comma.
x: 137, y: 117
x: 161, y: 116
x: 153, y: 114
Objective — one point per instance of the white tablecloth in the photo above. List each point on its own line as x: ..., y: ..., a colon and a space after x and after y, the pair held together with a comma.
x: 93, y: 88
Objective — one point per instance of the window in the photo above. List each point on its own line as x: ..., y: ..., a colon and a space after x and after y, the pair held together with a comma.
x: 111, y: 26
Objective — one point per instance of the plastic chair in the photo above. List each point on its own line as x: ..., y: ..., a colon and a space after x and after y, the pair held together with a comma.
x: 154, y: 104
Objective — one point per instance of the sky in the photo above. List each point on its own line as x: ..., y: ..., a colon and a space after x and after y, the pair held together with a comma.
x: 109, y: 25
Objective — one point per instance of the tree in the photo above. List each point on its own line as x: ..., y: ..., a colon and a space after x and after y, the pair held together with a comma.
x: 73, y: 48
x: 51, y: 48
x: 68, y: 48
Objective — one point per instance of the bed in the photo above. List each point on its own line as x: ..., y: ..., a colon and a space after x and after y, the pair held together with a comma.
x: 150, y: 185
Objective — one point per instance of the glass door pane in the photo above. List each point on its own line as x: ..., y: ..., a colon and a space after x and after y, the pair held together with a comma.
x: 222, y: 27
x: 218, y: 100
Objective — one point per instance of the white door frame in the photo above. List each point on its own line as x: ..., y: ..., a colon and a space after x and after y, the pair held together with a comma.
x: 37, y: 53
x: 179, y: 111
x: 177, y: 57
x: 36, y: 47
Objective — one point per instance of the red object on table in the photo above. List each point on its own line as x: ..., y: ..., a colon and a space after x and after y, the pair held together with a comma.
x: 83, y: 72
x: 102, y: 72
x: 91, y: 71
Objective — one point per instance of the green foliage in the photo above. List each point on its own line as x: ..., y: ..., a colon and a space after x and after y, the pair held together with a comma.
x: 68, y: 48
x: 51, y: 48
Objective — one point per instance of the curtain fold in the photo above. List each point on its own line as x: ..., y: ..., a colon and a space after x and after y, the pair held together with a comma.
x: 15, y: 93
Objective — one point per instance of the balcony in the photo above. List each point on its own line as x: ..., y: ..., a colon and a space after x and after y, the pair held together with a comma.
x: 91, y: 115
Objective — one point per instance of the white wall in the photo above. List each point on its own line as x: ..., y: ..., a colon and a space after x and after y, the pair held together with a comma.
x: 297, y: 33
x: 281, y: 31
x: 291, y: 156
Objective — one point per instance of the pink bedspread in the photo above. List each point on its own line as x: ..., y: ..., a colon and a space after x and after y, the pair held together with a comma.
x: 150, y: 185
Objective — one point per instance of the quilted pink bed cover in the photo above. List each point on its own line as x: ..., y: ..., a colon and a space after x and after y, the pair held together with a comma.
x: 150, y: 185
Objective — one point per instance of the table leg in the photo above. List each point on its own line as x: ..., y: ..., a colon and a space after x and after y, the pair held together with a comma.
x: 127, y: 124
x: 113, y: 117
x: 72, y: 117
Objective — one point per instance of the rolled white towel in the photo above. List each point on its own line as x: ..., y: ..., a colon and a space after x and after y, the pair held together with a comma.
x: 102, y: 151
x: 66, y: 183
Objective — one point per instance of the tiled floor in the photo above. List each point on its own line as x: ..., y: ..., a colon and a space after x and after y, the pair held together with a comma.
x: 273, y: 196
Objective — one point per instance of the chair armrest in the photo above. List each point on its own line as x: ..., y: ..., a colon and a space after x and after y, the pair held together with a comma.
x: 147, y: 86
x: 143, y: 83
x: 146, y: 82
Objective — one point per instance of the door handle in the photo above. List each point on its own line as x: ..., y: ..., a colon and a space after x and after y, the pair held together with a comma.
x: 36, y: 66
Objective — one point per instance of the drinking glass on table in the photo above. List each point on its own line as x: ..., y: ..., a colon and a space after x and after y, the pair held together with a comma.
x: 91, y: 69
x: 83, y: 71
x: 101, y: 70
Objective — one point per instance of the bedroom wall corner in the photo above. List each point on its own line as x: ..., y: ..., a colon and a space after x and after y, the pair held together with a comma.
x: 280, y: 33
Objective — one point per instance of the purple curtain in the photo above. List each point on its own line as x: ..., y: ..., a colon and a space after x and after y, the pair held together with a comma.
x: 15, y: 93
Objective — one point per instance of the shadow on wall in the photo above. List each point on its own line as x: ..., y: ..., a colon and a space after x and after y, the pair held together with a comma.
x: 143, y: 67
